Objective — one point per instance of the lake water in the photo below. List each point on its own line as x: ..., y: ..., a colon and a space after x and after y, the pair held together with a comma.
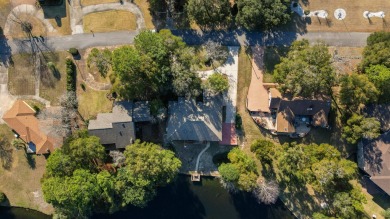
x: 185, y: 200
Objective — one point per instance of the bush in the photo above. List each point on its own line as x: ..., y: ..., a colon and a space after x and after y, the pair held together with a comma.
x: 3, y: 198
x: 73, y: 51
x: 238, y: 122
x: 83, y: 86
x: 70, y: 75
x: 306, y: 12
x: 36, y: 108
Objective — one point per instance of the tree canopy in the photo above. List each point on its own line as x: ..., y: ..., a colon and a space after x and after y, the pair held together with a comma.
x: 101, y: 60
x: 356, y: 91
x: 241, y: 171
x: 158, y: 66
x: 306, y: 71
x: 77, y: 183
x: 380, y: 76
x: 377, y: 51
x: 209, y: 13
x: 217, y: 83
x: 359, y: 127
x: 254, y: 14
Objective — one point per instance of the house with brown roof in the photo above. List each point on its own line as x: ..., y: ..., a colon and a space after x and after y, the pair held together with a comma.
x: 292, y: 117
x: 21, y: 119
x: 374, y: 159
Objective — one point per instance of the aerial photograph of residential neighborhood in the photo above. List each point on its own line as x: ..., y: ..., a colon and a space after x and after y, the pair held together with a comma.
x: 195, y: 109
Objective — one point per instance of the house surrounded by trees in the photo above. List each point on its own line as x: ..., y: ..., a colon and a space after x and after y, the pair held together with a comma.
x: 117, y: 129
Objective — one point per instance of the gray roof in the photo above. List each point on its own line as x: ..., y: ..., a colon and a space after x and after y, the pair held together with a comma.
x: 381, y: 112
x: 141, y: 111
x: 191, y: 121
x: 374, y: 159
x: 116, y: 127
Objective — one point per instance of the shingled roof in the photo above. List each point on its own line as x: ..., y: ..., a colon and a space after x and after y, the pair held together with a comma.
x: 191, y: 121
x: 21, y: 118
x: 374, y: 159
x: 116, y: 128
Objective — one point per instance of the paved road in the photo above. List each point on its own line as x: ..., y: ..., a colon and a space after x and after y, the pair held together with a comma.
x: 230, y: 38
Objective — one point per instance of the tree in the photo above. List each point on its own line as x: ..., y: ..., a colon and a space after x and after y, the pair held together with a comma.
x: 348, y: 205
x: 386, y: 214
x: 243, y: 165
x: 359, y: 127
x: 73, y: 195
x: 70, y: 75
x: 215, y: 51
x: 86, y: 152
x: 60, y: 164
x: 134, y: 72
x: 264, y: 149
x: 209, y: 13
x: 3, y: 198
x: 185, y: 82
x: 254, y: 14
x: 356, y: 91
x: 101, y: 59
x: 150, y: 162
x: 266, y: 192
x: 380, y: 76
x: 377, y: 51
x: 217, y: 83
x: 118, y: 158
x: 306, y: 71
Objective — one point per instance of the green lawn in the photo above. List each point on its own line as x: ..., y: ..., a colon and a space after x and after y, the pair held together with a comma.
x: 92, y: 102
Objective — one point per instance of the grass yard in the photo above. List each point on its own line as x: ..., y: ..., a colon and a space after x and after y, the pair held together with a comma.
x: 354, y: 20
x: 21, y: 182
x: 96, y: 2
x: 21, y: 79
x: 145, y: 9
x: 53, y: 91
x: 107, y: 21
x: 5, y: 7
x: 92, y: 102
x: 250, y: 129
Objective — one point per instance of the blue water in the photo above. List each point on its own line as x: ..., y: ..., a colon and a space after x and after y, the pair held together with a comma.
x: 185, y: 200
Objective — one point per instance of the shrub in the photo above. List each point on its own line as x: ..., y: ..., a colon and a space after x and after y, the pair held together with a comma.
x: 2, y: 197
x: 83, y: 86
x: 36, y: 108
x: 238, y: 122
x: 306, y: 12
x: 70, y: 75
x: 73, y: 51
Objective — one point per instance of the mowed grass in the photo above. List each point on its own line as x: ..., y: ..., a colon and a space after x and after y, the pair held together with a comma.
x: 53, y: 92
x: 21, y: 79
x: 107, y: 21
x: 96, y: 2
x: 21, y: 182
x: 145, y: 9
x: 92, y: 102
x: 5, y: 7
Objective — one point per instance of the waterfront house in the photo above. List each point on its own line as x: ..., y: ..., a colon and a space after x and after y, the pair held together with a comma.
x: 117, y: 129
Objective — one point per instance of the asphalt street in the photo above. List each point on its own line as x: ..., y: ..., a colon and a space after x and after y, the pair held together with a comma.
x: 228, y: 38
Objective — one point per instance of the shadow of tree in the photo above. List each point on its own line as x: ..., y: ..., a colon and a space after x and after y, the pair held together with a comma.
x: 6, y: 157
x: 31, y: 160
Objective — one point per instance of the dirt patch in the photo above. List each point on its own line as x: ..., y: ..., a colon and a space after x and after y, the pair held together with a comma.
x: 354, y: 20
x: 346, y: 59
x: 21, y: 78
x: 38, y: 28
